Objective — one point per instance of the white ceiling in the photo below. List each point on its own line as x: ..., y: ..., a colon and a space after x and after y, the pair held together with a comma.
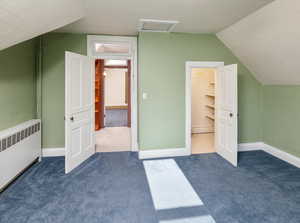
x: 268, y: 42
x: 120, y: 17
x: 21, y: 20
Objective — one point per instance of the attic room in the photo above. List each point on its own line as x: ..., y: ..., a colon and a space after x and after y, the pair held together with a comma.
x: 205, y: 127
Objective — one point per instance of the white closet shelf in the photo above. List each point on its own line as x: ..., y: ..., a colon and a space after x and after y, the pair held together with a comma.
x: 210, y: 117
x: 210, y: 106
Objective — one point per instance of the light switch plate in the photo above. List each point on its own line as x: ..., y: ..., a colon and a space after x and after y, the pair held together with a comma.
x: 145, y: 96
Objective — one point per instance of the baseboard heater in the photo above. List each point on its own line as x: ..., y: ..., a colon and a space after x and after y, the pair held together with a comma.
x: 20, y: 146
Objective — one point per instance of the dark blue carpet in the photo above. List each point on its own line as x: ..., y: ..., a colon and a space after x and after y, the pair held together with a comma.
x: 115, y: 117
x: 112, y: 187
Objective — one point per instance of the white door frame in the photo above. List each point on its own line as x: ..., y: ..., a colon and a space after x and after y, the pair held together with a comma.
x: 189, y: 65
x: 132, y: 55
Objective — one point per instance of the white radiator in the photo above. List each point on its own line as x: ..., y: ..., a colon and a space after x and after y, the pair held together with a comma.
x: 19, y: 147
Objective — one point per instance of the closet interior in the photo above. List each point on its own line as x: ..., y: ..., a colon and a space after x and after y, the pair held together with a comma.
x: 203, y: 110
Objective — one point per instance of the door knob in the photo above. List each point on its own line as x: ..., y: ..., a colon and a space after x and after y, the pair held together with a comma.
x: 72, y: 119
x: 231, y: 115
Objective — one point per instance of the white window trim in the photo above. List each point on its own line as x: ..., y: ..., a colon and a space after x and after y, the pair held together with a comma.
x: 92, y: 39
x: 132, y: 55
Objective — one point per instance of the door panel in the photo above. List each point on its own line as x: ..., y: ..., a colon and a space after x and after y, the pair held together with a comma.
x: 226, y: 113
x: 79, y: 110
x: 75, y: 84
x: 76, y: 138
x: 87, y: 84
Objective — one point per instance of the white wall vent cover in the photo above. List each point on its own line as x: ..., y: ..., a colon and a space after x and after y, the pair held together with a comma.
x: 152, y: 25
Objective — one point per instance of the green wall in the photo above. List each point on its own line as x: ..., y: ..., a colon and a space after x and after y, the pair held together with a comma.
x: 267, y: 113
x: 162, y: 60
x: 162, y: 75
x: 54, y: 46
x: 281, y: 109
x: 17, y: 84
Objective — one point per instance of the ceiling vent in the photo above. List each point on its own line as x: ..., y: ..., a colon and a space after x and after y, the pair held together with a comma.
x: 152, y: 25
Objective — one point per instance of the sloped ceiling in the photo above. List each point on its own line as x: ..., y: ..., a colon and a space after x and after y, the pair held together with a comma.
x: 121, y: 17
x: 268, y: 42
x: 21, y: 20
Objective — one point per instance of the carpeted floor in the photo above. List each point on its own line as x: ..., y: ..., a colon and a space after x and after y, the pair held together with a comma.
x: 115, y: 117
x: 113, y: 188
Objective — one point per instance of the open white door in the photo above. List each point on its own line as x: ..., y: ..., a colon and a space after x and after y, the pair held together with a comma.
x: 79, y: 109
x: 226, y: 113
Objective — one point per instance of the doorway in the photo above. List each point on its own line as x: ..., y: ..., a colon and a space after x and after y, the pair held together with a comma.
x: 203, y: 110
x: 211, y: 91
x: 112, y: 105
x: 117, y: 57
x: 117, y: 93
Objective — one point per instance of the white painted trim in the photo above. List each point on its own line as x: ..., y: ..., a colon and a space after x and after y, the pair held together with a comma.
x: 92, y: 39
x: 189, y: 65
x: 160, y: 153
x: 134, y: 74
x: 52, y: 152
x: 173, y: 152
x: 291, y: 159
x: 250, y: 146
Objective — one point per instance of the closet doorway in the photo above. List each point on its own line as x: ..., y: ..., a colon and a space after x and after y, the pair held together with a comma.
x: 203, y: 110
x: 211, y: 109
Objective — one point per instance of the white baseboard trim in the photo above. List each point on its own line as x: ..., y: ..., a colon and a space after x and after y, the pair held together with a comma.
x: 51, y: 152
x: 291, y: 159
x: 242, y: 147
x: 161, y: 153
x: 173, y: 152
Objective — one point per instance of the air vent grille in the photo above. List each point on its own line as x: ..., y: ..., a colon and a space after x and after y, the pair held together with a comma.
x: 152, y: 25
